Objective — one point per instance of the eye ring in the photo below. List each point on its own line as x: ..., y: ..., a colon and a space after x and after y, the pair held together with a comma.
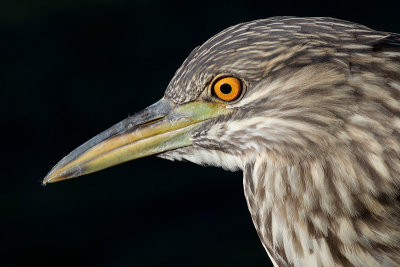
x: 227, y: 88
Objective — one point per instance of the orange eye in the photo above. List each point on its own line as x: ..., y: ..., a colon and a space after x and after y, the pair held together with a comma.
x: 228, y: 88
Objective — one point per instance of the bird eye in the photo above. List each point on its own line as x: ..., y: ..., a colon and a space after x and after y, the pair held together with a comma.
x: 228, y: 88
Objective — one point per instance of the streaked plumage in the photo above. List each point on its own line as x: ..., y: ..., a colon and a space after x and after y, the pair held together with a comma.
x: 317, y: 135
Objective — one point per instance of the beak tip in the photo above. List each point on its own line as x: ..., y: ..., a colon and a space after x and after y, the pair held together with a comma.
x: 47, y: 179
x: 54, y: 177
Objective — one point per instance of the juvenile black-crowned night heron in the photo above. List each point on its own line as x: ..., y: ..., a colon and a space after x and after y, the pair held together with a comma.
x: 309, y: 109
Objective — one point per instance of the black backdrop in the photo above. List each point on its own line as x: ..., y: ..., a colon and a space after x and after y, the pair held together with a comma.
x: 68, y: 70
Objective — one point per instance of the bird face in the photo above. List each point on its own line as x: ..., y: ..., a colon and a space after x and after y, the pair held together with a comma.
x: 287, y: 109
x: 255, y: 87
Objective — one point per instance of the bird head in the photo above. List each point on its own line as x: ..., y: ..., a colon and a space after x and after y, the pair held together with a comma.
x: 260, y: 87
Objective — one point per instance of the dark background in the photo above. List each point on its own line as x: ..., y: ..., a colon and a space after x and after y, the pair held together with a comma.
x: 70, y: 69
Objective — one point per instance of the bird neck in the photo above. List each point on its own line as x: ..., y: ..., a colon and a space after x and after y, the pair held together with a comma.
x: 323, y: 211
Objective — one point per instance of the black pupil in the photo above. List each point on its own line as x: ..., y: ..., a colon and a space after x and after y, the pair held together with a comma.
x: 225, y: 88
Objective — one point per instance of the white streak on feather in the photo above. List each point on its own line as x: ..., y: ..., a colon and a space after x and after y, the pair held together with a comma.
x: 379, y: 166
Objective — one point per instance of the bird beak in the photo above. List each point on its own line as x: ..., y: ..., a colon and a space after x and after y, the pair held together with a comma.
x: 160, y: 127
